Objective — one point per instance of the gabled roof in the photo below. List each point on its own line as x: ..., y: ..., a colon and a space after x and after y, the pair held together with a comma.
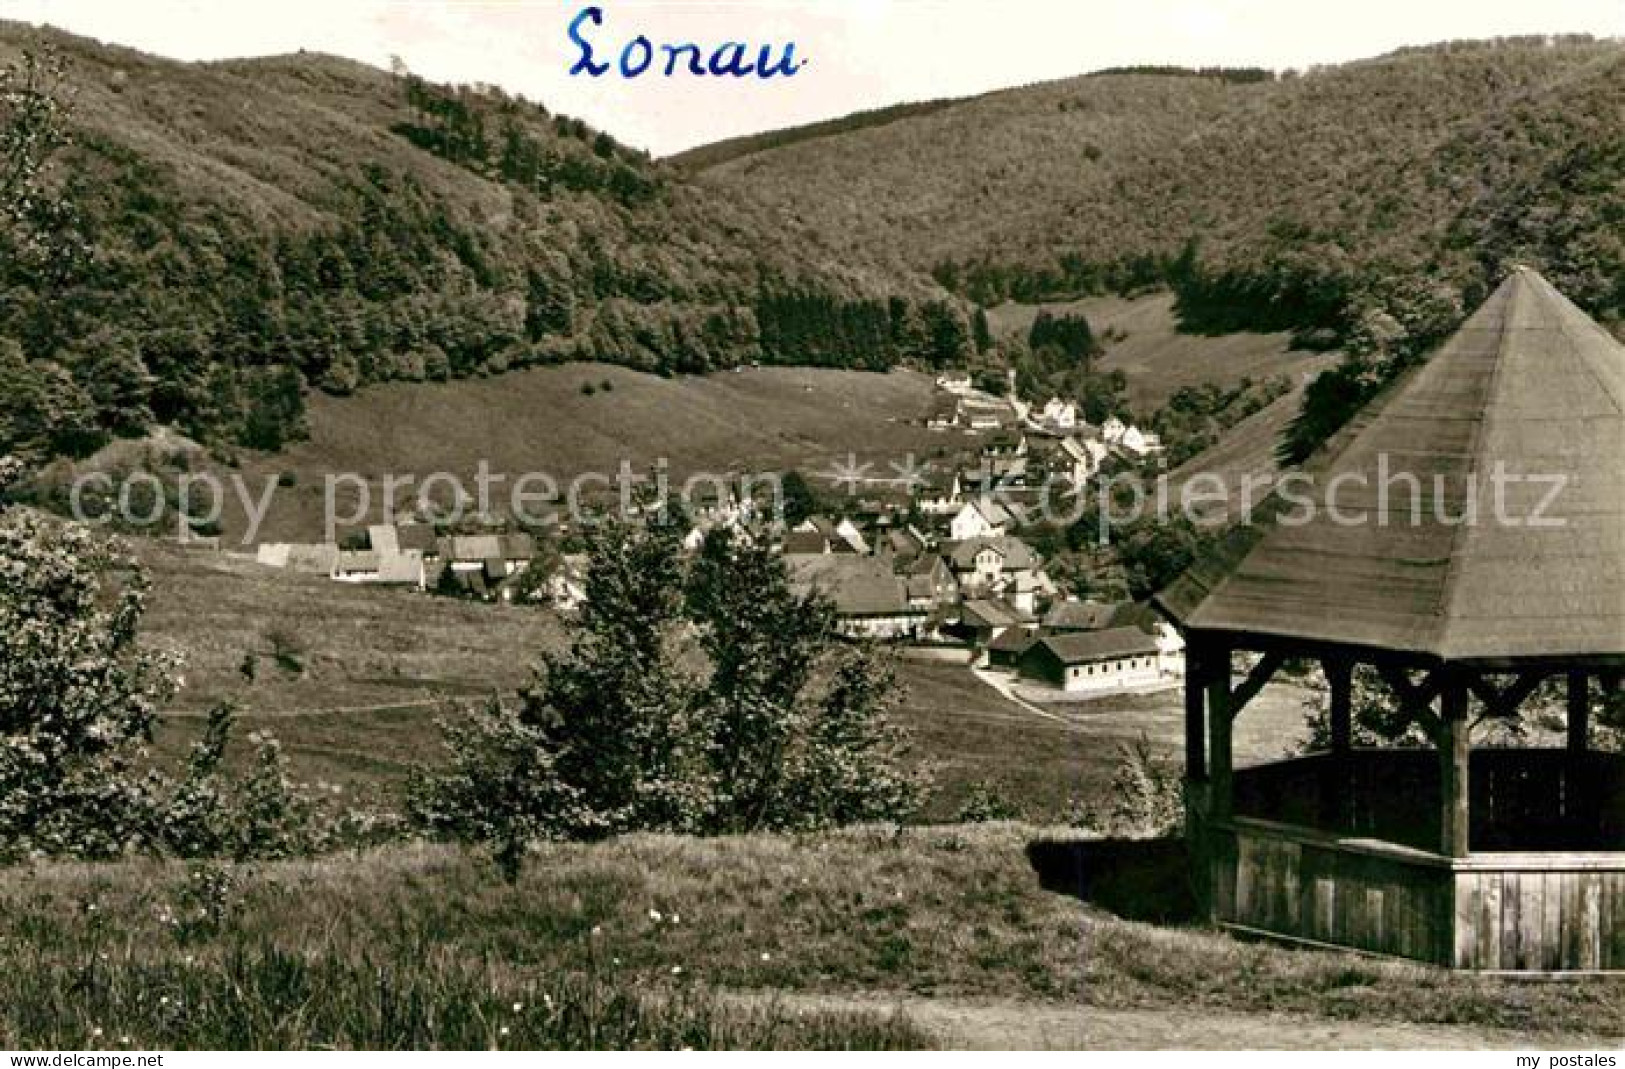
x: 316, y: 558
x: 1528, y: 383
x: 1080, y: 616
x: 1017, y: 555
x: 405, y: 566
x: 805, y: 542
x: 1014, y: 640
x: 1087, y: 647
x: 926, y: 564
x: 985, y: 612
x: 520, y: 546
x: 470, y: 548
x: 920, y: 586
x: 991, y: 510
x: 357, y: 560
x: 418, y: 536
x: 859, y: 586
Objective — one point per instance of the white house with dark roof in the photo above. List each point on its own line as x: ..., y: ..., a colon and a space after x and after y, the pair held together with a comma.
x: 984, y: 517
x: 1118, y: 658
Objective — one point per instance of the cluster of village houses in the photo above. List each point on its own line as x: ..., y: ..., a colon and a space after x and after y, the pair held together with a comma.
x: 934, y: 561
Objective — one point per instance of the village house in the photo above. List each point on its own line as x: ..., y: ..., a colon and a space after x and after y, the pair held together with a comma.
x: 982, y: 620
x: 1073, y: 617
x: 944, y: 414
x: 1083, y: 458
x: 901, y: 545
x: 938, y: 493
x: 984, y: 417
x: 954, y: 381
x: 982, y: 518
x: 1088, y: 662
x: 930, y: 583
x: 498, y: 556
x: 1059, y: 415
x: 1005, y: 444
x: 1130, y: 439
x: 1005, y: 651
x: 870, y: 600
x: 1069, y: 616
x: 356, y: 566
x: 991, y: 564
x: 819, y: 534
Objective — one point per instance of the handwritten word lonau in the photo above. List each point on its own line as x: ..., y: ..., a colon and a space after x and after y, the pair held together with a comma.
x: 640, y: 56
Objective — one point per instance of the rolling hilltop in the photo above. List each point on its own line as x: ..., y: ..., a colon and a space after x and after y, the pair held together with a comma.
x: 1374, y: 197
x: 257, y: 228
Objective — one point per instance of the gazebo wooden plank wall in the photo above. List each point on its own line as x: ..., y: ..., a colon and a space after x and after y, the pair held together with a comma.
x: 1495, y: 859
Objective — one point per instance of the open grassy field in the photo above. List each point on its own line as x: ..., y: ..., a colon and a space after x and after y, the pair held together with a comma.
x: 541, y: 420
x: 378, y: 666
x: 1157, y: 359
x: 655, y: 940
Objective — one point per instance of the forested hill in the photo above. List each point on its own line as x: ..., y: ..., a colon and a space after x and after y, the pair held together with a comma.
x: 1364, y: 203
x: 258, y: 228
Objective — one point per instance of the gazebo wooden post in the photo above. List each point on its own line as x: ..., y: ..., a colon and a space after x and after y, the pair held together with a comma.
x: 1579, y: 710
x: 1195, y: 718
x: 1455, y: 748
x: 1340, y: 681
x: 1198, y: 796
x: 1339, y: 672
x: 1221, y: 779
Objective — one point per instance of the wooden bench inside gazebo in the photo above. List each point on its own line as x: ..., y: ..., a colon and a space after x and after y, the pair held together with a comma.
x: 1495, y: 859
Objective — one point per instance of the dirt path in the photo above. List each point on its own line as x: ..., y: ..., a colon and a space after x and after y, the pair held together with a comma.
x: 979, y: 1025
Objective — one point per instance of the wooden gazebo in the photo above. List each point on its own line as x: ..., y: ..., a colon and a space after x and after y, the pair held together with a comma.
x: 1492, y: 859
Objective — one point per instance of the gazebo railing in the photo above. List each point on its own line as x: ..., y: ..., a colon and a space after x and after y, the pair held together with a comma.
x: 1519, y: 799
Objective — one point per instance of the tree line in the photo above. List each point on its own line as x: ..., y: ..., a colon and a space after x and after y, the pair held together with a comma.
x: 184, y: 308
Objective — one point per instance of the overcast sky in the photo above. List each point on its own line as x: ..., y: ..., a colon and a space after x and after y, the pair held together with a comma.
x: 860, y: 53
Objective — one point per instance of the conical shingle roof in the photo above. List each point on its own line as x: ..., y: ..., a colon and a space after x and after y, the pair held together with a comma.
x: 1529, y: 387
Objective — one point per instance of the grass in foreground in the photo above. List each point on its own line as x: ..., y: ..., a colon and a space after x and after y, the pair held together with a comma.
x: 646, y: 941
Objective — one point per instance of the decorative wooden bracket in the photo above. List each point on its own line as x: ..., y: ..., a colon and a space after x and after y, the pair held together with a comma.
x: 1261, y: 674
x: 1416, y: 699
x: 1504, y: 703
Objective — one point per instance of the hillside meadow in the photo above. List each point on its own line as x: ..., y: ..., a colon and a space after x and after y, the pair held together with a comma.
x: 564, y: 421
x: 365, y: 673
x: 852, y: 938
x: 1141, y: 337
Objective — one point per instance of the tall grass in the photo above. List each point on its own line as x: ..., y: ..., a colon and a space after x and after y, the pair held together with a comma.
x: 653, y: 941
x: 258, y: 995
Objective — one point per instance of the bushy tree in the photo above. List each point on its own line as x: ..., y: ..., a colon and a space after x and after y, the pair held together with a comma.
x: 1155, y: 552
x: 78, y: 702
x: 614, y: 710
x: 853, y: 763
x: 35, y: 223
x: 78, y: 697
x: 43, y: 411
x: 1146, y: 795
x: 710, y: 698
x: 800, y: 499
x: 498, y: 787
x: 208, y: 813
